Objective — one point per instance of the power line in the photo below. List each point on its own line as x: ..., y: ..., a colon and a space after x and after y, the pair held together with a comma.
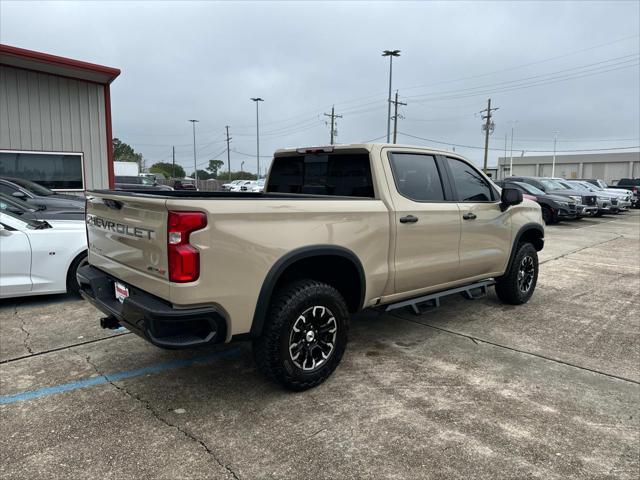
x: 476, y: 147
x: 618, y: 61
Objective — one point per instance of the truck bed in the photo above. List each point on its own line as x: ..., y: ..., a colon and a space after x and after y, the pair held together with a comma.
x: 222, y: 195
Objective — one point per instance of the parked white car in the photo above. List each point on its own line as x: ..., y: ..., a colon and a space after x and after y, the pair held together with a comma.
x: 258, y: 186
x: 243, y: 186
x: 230, y: 185
x: 40, y: 257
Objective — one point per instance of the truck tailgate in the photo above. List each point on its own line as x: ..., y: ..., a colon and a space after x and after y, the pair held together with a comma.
x: 127, y: 237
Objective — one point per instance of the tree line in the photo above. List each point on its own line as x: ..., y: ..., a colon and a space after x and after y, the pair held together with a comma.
x: 125, y: 153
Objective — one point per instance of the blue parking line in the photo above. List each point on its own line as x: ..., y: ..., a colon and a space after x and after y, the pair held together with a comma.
x: 114, y: 377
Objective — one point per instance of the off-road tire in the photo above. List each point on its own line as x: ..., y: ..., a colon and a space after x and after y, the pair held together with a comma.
x: 72, y: 282
x: 272, y: 349
x: 508, y: 288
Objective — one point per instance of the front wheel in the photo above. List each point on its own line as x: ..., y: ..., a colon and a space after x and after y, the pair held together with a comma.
x: 73, y: 287
x: 517, y: 284
x: 304, y: 336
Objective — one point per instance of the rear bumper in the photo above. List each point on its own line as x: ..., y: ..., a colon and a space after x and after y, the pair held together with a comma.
x: 150, y: 317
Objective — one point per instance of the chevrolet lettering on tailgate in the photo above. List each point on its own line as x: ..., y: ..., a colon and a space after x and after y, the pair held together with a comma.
x: 121, y: 228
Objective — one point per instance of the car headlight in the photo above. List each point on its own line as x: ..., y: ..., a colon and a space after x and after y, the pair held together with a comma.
x: 563, y: 204
x: 576, y: 198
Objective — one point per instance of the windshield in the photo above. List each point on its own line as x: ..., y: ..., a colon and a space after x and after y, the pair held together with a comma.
x: 529, y: 188
x: 30, y: 224
x: 578, y: 186
x: 32, y: 187
x: 552, y: 184
x: 7, y: 201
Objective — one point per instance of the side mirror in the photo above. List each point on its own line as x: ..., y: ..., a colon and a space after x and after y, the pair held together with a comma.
x: 18, y: 194
x: 508, y: 197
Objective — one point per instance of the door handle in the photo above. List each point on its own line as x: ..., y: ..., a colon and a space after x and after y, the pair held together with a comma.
x: 469, y: 216
x: 408, y: 219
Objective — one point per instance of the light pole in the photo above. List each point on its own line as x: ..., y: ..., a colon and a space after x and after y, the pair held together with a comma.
x: 553, y: 163
x: 195, y: 164
x: 513, y: 122
x: 242, y: 166
x: 258, y: 100
x: 390, y: 54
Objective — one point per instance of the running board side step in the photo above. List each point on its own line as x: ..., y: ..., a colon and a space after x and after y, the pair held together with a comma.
x: 470, y: 292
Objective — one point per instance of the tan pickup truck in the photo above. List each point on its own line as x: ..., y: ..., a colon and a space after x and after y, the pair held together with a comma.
x: 337, y: 230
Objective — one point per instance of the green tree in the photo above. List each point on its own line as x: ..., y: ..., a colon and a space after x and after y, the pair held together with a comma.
x: 224, y: 176
x: 125, y: 153
x: 166, y: 169
x: 214, y: 167
x: 202, y: 175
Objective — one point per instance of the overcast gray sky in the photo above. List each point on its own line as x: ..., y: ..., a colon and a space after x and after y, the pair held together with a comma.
x: 570, y: 67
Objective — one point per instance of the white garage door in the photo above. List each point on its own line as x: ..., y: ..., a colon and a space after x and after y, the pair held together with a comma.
x: 523, y: 170
x: 615, y: 171
x: 563, y: 170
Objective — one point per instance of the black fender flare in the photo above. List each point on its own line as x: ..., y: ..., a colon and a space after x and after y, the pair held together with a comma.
x: 524, y: 229
x: 279, y: 267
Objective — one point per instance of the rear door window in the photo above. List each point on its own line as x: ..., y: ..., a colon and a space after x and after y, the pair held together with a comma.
x: 469, y: 184
x: 339, y: 174
x: 417, y: 177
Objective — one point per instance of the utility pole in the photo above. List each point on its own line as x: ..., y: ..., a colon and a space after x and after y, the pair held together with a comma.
x: 395, y: 117
x: 228, y: 152
x: 390, y: 54
x: 174, y: 161
x: 488, y: 129
x: 333, y: 119
x: 195, y: 163
x: 242, y: 166
x: 553, y: 163
x: 258, y: 100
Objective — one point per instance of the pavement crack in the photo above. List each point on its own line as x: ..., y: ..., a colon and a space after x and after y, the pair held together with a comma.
x: 517, y: 350
x: 580, y: 249
x: 147, y: 405
x: 23, y: 326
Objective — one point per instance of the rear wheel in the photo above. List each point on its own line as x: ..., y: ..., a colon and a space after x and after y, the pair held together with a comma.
x: 73, y: 287
x: 516, y: 286
x: 305, y: 335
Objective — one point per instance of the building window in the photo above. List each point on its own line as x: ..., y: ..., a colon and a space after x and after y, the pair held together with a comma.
x: 56, y: 171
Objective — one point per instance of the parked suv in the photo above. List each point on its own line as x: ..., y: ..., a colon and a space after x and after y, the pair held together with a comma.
x: 587, y: 204
x: 627, y: 189
x: 338, y: 229
x: 554, y: 207
x: 607, y: 203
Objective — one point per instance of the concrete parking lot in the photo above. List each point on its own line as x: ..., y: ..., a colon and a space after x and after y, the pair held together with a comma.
x: 475, y: 389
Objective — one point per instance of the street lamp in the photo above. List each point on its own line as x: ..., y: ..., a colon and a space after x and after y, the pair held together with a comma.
x: 257, y: 100
x: 195, y: 165
x: 390, y: 54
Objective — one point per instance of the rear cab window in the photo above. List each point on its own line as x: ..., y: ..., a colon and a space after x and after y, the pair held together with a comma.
x: 335, y: 174
x: 417, y: 177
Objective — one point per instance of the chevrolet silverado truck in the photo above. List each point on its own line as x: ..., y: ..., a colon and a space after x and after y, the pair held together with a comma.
x: 337, y: 230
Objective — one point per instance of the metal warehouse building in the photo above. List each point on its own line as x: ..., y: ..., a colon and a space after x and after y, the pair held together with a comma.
x: 55, y: 120
x: 610, y: 167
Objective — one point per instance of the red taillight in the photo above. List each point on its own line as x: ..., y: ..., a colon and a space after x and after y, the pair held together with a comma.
x: 184, y: 259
